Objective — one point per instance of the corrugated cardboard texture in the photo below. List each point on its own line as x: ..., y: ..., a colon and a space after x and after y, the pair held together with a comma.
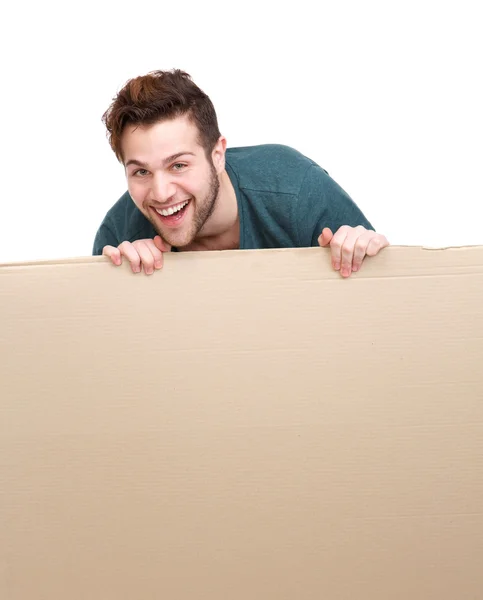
x: 243, y: 425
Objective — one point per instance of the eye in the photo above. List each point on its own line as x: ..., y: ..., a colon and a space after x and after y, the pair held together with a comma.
x: 140, y: 172
x: 178, y: 166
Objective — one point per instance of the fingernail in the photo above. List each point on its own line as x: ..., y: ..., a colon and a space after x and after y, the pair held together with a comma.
x: 136, y: 269
x: 337, y: 266
x: 158, y: 264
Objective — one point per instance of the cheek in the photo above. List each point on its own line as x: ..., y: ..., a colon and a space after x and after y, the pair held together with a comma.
x: 194, y: 179
x: 194, y: 186
x: 137, y: 191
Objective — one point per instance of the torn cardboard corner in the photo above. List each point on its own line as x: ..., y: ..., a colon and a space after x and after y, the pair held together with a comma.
x: 243, y: 424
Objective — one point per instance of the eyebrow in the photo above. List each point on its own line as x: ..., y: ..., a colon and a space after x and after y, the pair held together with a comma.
x: 167, y: 160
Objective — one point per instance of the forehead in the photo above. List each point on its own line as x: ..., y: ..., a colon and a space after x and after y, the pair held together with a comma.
x: 165, y: 138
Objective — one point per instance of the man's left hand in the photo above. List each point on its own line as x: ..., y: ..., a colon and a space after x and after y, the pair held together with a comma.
x: 349, y: 246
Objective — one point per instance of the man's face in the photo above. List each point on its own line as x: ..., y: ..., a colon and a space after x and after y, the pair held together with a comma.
x: 170, y: 179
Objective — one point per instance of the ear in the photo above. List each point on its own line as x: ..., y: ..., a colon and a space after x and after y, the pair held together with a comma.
x: 218, y: 155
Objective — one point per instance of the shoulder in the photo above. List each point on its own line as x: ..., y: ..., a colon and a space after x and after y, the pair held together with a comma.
x: 123, y: 209
x: 267, y: 151
x: 270, y: 167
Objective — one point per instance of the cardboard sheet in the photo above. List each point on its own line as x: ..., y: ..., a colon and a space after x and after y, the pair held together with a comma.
x: 243, y: 425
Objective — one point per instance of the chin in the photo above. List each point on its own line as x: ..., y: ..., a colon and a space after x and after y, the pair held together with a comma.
x: 179, y: 240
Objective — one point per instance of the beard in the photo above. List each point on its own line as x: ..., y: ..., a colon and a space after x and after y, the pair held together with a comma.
x: 203, y: 209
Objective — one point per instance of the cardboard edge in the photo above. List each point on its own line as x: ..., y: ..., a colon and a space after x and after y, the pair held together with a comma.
x: 79, y: 260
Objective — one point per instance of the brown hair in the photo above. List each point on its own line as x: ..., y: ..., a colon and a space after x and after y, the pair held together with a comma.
x: 157, y: 96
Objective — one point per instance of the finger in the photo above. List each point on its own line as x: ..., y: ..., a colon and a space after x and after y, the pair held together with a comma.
x: 146, y: 254
x: 113, y: 253
x: 325, y: 237
x: 376, y: 244
x: 161, y: 244
x: 360, y: 249
x: 336, y: 246
x: 129, y: 251
x: 347, y: 251
x: 156, y: 252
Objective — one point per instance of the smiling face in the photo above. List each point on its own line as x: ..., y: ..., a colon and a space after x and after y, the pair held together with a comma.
x: 170, y: 179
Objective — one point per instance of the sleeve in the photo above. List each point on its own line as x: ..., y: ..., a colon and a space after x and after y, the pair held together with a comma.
x: 104, y: 237
x: 323, y: 203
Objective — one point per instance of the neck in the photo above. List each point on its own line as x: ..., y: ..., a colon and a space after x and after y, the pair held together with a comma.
x: 222, y: 230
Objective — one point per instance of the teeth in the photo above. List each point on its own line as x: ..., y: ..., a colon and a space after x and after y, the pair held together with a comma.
x: 166, y: 212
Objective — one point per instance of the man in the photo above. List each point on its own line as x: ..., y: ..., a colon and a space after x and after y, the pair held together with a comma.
x: 187, y: 191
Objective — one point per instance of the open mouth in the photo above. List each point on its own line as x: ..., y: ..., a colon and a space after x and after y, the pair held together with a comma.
x: 173, y: 214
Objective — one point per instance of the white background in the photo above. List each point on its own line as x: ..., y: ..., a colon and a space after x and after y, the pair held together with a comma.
x: 387, y: 96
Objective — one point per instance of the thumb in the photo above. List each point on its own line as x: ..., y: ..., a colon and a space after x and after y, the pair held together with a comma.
x: 161, y: 244
x: 325, y: 237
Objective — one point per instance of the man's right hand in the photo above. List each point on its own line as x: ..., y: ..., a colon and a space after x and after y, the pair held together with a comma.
x: 147, y: 254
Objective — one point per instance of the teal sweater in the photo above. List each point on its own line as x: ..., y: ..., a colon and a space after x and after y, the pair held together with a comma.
x: 284, y: 201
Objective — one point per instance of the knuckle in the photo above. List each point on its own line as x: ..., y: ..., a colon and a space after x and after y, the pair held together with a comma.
x: 154, y: 249
x: 336, y: 243
x: 347, y: 249
x: 373, y: 249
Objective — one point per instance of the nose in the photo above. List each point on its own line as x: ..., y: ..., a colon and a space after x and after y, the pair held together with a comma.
x: 162, y: 188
